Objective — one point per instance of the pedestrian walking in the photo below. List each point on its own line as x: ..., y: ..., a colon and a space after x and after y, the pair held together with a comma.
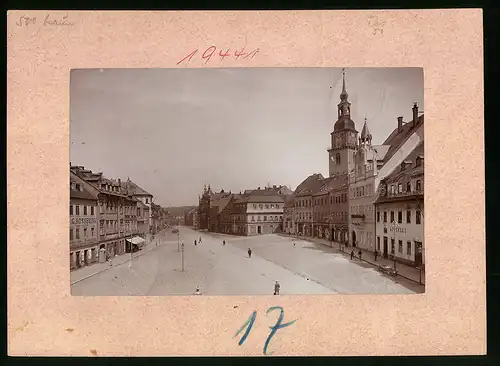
x: 249, y: 253
x: 359, y: 254
x: 223, y: 242
x: 352, y: 255
x: 195, y: 242
x: 376, y: 254
x: 294, y: 243
x: 277, y: 288
x: 199, y: 240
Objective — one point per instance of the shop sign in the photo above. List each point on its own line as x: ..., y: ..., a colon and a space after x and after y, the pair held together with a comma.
x: 398, y: 229
x: 83, y: 220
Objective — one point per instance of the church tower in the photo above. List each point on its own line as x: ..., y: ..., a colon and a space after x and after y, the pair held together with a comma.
x: 344, y: 137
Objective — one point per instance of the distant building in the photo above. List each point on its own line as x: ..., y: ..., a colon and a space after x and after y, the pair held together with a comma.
x: 191, y: 218
x: 254, y: 213
x: 400, y: 211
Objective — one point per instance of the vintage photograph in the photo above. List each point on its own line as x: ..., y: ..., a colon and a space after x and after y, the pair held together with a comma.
x: 246, y: 181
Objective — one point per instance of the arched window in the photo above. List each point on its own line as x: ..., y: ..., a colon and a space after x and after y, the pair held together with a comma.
x: 337, y: 159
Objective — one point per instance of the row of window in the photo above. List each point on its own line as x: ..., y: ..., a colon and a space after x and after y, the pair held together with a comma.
x: 395, y: 189
x: 267, y: 205
x: 333, y: 199
x: 400, y: 246
x: 75, y: 233
x: 418, y: 218
x: 86, y: 210
x: 366, y: 190
x: 265, y: 218
x: 322, y: 215
x: 75, y: 210
x: 362, y: 209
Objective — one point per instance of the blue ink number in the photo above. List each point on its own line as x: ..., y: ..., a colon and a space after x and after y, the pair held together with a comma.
x: 249, y: 325
x: 277, y: 326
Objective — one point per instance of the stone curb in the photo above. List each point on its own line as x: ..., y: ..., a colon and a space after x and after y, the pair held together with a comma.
x: 109, y: 267
x: 348, y: 254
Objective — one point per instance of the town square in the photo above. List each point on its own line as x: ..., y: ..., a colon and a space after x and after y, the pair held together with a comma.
x: 207, y: 213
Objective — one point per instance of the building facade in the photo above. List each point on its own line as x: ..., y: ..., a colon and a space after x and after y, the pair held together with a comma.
x: 116, y: 213
x: 289, y: 215
x: 83, y: 231
x: 303, y: 199
x: 372, y: 164
x: 400, y: 211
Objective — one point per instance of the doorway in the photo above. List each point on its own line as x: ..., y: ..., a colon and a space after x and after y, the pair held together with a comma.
x: 385, y: 247
x: 259, y: 229
x: 418, y: 253
x: 353, y: 238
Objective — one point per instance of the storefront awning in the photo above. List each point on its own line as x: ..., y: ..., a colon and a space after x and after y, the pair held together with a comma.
x: 136, y: 240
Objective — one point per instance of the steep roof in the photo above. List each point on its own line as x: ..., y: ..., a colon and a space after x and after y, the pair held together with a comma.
x: 411, y: 158
x: 264, y: 198
x: 134, y: 189
x: 310, y: 180
x: 331, y: 184
x: 396, y: 139
x: 310, y: 185
x: 223, y: 202
x: 81, y: 189
x: 397, y: 173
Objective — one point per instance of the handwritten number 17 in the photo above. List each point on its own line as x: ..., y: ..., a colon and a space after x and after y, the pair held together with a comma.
x: 277, y: 326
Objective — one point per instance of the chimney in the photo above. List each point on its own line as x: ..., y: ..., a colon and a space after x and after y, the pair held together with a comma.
x: 415, y: 113
x: 258, y: 188
x: 400, y: 124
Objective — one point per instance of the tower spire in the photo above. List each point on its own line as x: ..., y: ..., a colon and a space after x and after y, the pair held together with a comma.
x: 343, y: 95
x: 365, y: 133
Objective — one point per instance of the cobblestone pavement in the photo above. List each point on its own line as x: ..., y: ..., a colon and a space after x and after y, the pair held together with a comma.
x: 306, y: 268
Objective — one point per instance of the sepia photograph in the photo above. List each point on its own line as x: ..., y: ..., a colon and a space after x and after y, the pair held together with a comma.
x: 246, y: 181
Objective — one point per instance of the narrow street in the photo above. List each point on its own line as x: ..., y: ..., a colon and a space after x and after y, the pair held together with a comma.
x: 305, y: 268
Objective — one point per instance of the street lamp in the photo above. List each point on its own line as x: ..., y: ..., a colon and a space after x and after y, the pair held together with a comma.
x: 182, y: 257
x: 178, y: 240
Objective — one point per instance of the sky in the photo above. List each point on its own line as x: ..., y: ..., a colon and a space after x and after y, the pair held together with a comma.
x: 173, y: 130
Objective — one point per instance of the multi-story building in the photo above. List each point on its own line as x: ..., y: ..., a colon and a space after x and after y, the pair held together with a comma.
x: 83, y: 215
x: 339, y: 210
x: 400, y: 211
x: 143, y: 216
x: 288, y: 215
x: 321, y: 210
x: 258, y: 213
x: 191, y: 218
x: 372, y: 164
x: 330, y: 209
x: 303, y: 211
x: 132, y: 189
x: 117, y: 213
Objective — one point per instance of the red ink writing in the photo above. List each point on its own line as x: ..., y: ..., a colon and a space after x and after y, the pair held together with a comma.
x: 211, y: 52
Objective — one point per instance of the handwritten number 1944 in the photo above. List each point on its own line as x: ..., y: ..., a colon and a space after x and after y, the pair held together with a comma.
x: 277, y: 326
x: 212, y: 51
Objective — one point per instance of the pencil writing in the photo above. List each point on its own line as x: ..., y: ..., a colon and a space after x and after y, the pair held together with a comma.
x: 49, y: 20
